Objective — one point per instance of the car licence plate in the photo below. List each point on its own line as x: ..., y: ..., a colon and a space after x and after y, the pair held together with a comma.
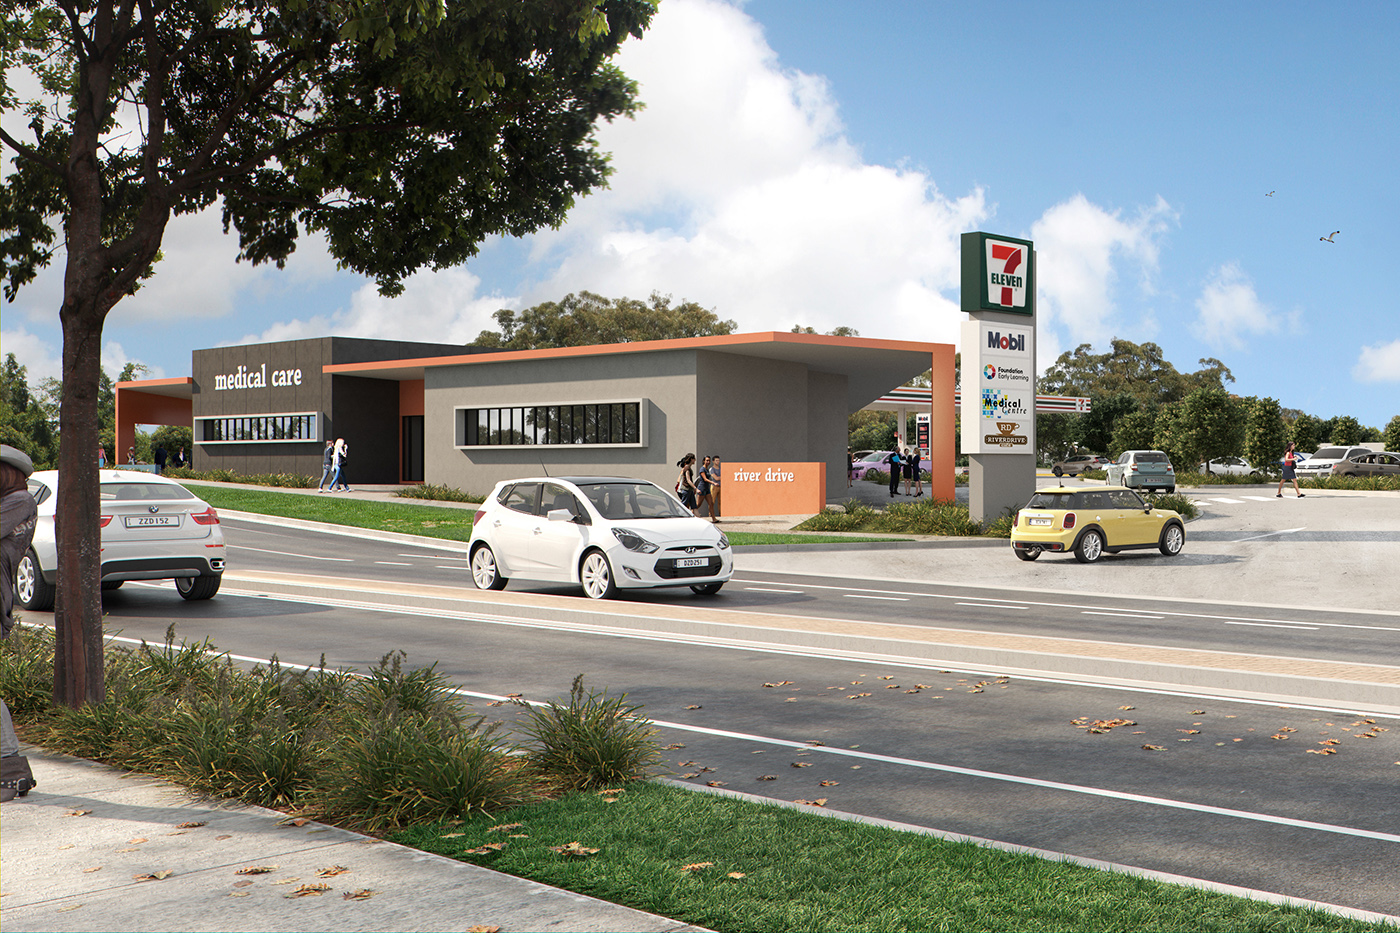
x: 691, y: 562
x: 1040, y: 521
x: 147, y: 521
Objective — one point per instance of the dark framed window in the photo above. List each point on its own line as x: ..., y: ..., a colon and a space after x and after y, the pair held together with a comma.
x: 551, y: 425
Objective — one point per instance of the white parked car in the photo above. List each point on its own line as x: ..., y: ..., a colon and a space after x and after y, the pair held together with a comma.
x: 604, y: 533
x: 1322, y: 460
x: 1228, y: 466
x: 152, y: 529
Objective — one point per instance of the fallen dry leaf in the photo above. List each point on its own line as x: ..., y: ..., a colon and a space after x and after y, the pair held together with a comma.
x: 1198, y: 712
x: 192, y: 825
x: 687, y: 764
x: 452, y: 835
x: 675, y: 745
x: 891, y: 686
x: 767, y: 777
x: 1322, y: 751
x: 494, y: 703
x: 309, y: 890
x: 696, y: 866
x: 154, y: 876
x: 514, y: 696
x: 690, y: 774
x: 819, y: 802
x: 790, y: 700
x: 239, y: 893
x: 574, y: 848
x: 911, y: 691
x: 487, y: 849
x: 483, y: 929
x: 605, y: 793
x: 828, y: 783
x: 1329, y: 742
x: 224, y: 836
x: 293, y: 821
x: 77, y: 813
x: 1154, y: 748
x: 735, y: 874
x: 887, y: 677
x: 924, y: 686
x: 1190, y: 731
x: 695, y: 706
x: 1127, y: 707
x: 130, y: 849
x: 69, y: 846
x: 715, y: 784
x: 802, y: 764
x: 365, y: 894
x: 64, y: 910
x: 88, y: 871
x: 856, y: 696
x: 137, y: 841
x: 781, y: 683
x: 179, y: 832
x: 257, y: 870
x: 332, y: 871
x: 502, y: 827
x: 242, y: 884
x: 855, y: 767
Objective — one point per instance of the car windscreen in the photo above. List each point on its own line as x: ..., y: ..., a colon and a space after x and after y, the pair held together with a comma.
x: 630, y: 501
x: 1151, y: 456
x: 1330, y: 453
x: 1054, y: 500
x: 161, y: 491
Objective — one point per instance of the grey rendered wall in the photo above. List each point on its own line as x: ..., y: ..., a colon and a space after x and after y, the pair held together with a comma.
x: 666, y: 379
x: 828, y: 427
x: 749, y: 408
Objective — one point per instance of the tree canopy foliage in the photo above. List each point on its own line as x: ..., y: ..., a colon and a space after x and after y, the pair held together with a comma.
x: 1138, y: 370
x: 403, y: 132
x: 582, y: 319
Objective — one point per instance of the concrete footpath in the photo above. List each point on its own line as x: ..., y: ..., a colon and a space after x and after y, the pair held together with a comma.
x: 93, y: 848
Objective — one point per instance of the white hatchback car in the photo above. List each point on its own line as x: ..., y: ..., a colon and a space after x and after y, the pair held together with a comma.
x: 605, y: 533
x: 152, y: 529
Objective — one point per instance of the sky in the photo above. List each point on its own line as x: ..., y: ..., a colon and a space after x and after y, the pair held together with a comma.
x: 814, y: 163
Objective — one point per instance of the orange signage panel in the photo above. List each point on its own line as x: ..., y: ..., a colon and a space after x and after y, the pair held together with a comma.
x: 772, y: 489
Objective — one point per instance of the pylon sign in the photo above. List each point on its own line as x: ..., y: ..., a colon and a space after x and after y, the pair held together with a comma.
x: 998, y: 274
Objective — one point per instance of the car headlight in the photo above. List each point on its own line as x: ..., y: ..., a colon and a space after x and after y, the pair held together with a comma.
x: 723, y: 541
x: 633, y: 541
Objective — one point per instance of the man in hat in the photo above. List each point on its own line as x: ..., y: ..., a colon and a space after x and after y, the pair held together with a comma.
x: 18, y: 514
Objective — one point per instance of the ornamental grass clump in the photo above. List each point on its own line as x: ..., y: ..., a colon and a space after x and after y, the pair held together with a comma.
x: 1175, y: 502
x: 26, y: 669
x: 440, y: 492
x: 594, y: 741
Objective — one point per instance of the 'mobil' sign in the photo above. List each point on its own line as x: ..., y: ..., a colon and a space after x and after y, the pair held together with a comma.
x: 998, y: 274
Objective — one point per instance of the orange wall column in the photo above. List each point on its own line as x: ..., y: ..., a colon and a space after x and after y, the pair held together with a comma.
x: 136, y: 407
x: 942, y: 454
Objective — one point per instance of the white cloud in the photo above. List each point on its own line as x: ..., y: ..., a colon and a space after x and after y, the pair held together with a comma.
x: 1080, y: 248
x: 42, y: 360
x: 1229, y: 310
x: 1378, y: 364
x: 435, y: 307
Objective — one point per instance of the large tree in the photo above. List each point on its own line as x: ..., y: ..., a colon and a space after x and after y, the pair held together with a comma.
x: 404, y: 132
x: 585, y: 319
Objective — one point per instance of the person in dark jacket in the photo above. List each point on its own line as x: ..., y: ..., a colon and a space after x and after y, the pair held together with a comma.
x: 327, y: 465
x: 160, y: 459
x: 896, y: 471
x: 18, y: 516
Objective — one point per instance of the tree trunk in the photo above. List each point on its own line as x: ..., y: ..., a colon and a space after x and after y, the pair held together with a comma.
x: 78, y: 668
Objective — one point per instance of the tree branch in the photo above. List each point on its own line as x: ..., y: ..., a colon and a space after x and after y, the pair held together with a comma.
x: 30, y: 155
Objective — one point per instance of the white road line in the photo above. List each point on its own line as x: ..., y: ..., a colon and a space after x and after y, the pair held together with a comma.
x: 990, y: 606
x: 1122, y: 615
x: 394, y: 563
x: 435, y: 556
x: 1299, y: 625
x: 451, y: 567
x: 1260, y: 498
x: 1124, y: 796
x: 893, y: 599
x: 1269, y: 534
x: 244, y: 547
x: 765, y: 589
x: 1229, y: 501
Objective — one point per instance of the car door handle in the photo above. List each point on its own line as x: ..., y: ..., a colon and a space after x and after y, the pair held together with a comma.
x: 496, y: 523
x: 539, y: 530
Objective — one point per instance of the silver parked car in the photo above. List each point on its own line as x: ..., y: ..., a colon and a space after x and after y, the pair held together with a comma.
x: 152, y: 529
x: 1229, y: 466
x: 1382, y: 463
x: 1321, y: 462
x: 1142, y: 469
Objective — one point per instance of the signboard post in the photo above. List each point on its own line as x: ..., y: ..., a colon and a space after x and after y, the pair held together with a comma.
x: 998, y: 372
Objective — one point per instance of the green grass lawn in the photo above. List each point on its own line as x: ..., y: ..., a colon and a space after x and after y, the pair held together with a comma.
x: 673, y: 852
x: 410, y: 517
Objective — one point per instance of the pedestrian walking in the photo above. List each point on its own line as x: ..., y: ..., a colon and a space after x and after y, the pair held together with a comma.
x: 896, y: 471
x: 850, y: 468
x: 703, y: 498
x: 101, y: 457
x: 160, y: 458
x: 714, y: 486
x: 327, y: 465
x: 916, y: 456
x: 342, y: 453
x: 1290, y: 461
x: 18, y: 516
x: 685, y: 482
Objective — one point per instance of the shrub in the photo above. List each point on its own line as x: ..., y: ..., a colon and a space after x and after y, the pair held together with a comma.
x: 284, y: 480
x: 26, y: 669
x: 1385, y: 483
x: 594, y: 741
x: 438, y: 492
x: 928, y: 517
x: 1176, y: 502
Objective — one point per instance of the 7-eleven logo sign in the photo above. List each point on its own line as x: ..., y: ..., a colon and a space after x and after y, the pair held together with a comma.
x: 1006, y: 278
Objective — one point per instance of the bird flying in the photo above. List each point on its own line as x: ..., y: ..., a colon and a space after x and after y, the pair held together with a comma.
x: 1269, y: 195
x: 1328, y: 238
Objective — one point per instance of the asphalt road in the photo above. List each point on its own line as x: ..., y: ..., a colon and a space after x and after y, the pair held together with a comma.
x: 1205, y: 787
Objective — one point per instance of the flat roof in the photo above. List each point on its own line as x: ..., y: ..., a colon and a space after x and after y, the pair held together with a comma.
x: 179, y: 387
x: 872, y: 366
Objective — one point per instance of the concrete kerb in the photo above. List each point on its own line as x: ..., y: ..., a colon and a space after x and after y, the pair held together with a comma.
x: 1268, y: 897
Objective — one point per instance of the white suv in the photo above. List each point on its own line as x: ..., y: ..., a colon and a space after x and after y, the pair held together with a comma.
x: 1320, y: 463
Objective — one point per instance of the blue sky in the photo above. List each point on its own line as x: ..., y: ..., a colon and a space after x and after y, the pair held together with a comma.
x: 812, y: 162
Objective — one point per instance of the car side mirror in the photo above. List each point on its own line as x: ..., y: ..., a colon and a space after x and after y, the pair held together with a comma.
x: 559, y: 515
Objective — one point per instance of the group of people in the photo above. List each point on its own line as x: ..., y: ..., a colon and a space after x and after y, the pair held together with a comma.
x: 159, y: 455
x: 333, y: 466
x: 904, y: 464
x: 699, y: 490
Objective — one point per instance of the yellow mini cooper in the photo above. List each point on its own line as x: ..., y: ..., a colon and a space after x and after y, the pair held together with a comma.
x: 1093, y: 521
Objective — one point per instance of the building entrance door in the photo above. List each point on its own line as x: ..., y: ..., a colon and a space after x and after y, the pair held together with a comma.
x: 411, y: 470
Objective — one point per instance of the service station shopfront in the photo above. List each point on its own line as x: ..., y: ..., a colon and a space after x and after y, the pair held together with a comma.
x: 772, y: 406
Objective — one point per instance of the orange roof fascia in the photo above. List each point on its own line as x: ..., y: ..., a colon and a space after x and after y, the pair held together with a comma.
x: 152, y: 383
x: 641, y: 346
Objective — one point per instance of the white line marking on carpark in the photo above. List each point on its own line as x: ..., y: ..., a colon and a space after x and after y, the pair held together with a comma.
x: 1124, y: 615
x: 990, y: 606
x: 893, y: 599
x: 1260, y: 498
x: 436, y: 556
x: 1269, y: 534
x: 1004, y: 777
x: 244, y: 547
x: 766, y: 589
x: 394, y: 563
x: 1292, y: 625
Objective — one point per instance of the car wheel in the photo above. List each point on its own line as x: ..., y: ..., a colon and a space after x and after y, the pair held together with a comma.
x: 596, y: 576
x: 706, y: 589
x: 112, y: 584
x: 198, y: 587
x: 32, y: 590
x: 1058, y: 472
x: 1173, y: 537
x: 1089, y: 548
x: 485, y: 573
x: 1030, y: 553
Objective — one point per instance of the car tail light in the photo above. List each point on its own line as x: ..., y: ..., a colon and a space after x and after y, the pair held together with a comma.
x: 1069, y: 519
x: 1016, y: 519
x: 207, y: 517
x: 477, y: 516
x: 106, y: 520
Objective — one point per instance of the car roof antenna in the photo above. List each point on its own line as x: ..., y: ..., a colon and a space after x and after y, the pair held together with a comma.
x: 542, y: 467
